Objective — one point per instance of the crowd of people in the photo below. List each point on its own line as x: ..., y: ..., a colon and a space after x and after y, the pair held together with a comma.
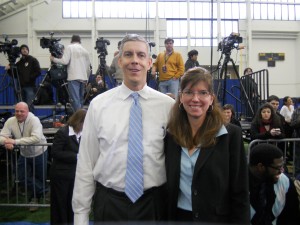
x: 138, y: 154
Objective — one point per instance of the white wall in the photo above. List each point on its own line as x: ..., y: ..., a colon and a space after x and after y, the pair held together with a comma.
x: 265, y: 36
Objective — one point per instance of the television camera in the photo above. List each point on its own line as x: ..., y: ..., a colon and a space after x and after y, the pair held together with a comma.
x: 10, y: 49
x: 101, y: 46
x: 230, y: 42
x: 55, y: 48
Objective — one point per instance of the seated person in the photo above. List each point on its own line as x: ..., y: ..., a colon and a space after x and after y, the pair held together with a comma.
x: 273, y: 196
x: 229, y: 115
x: 266, y: 124
x: 273, y: 100
x: 95, y: 88
x: 286, y: 111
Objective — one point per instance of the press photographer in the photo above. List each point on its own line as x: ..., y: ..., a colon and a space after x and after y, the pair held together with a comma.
x: 78, y: 66
x: 27, y: 70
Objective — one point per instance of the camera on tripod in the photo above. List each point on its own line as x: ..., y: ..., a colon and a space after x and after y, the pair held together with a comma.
x: 230, y: 42
x: 101, y: 46
x: 10, y: 49
x: 55, y: 48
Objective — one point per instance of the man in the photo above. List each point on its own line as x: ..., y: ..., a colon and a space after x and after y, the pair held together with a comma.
x: 273, y: 100
x: 192, y: 60
x: 77, y: 60
x: 114, y: 69
x: 273, y: 197
x: 107, y: 140
x: 28, y: 69
x: 24, y: 130
x: 170, y: 67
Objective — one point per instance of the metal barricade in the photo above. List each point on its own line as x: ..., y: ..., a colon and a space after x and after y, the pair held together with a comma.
x: 15, y: 192
x: 285, y: 144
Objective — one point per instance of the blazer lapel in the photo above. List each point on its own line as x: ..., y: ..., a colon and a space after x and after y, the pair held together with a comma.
x: 202, y: 158
x: 73, y: 138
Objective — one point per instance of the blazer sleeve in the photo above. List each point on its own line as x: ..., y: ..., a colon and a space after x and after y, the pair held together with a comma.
x: 240, y: 204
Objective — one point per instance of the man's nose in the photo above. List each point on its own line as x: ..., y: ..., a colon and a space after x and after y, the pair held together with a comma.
x: 134, y: 59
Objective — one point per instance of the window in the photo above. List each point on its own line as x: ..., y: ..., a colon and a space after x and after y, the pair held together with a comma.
x: 201, y: 13
x: 200, y: 31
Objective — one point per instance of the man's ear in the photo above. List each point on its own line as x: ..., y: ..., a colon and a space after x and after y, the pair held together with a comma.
x: 119, y: 62
x: 150, y: 63
x: 261, y: 167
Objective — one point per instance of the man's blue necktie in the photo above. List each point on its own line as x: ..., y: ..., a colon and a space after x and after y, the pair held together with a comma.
x: 134, y: 179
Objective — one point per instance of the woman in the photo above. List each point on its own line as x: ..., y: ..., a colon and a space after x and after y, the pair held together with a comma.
x: 205, y: 161
x: 229, y: 115
x: 248, y: 71
x: 266, y: 124
x: 287, y: 111
x: 64, y: 153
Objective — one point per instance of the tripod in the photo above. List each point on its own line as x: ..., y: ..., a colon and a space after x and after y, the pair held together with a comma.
x: 15, y: 80
x: 223, y: 75
x: 59, y: 84
x: 103, y: 71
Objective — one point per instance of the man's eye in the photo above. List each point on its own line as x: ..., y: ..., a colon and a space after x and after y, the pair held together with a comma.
x: 127, y: 54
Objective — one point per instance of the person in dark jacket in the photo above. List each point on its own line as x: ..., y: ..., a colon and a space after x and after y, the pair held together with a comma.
x: 273, y: 196
x: 28, y: 69
x: 206, y: 165
x: 249, y: 93
x: 95, y: 88
x: 64, y: 154
x: 266, y: 124
x: 273, y: 100
x: 229, y: 115
x: 192, y: 60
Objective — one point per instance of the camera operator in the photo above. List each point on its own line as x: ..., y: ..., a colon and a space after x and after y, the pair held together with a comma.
x: 78, y: 65
x: 28, y: 69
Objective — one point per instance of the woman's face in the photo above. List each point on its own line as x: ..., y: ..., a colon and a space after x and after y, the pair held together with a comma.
x: 227, y: 115
x: 266, y: 113
x: 248, y: 71
x: 289, y: 101
x: 196, y: 100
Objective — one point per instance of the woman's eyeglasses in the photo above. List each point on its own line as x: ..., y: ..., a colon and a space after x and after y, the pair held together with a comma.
x: 200, y: 94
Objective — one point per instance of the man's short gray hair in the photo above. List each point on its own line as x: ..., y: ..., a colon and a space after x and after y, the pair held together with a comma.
x: 133, y: 37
